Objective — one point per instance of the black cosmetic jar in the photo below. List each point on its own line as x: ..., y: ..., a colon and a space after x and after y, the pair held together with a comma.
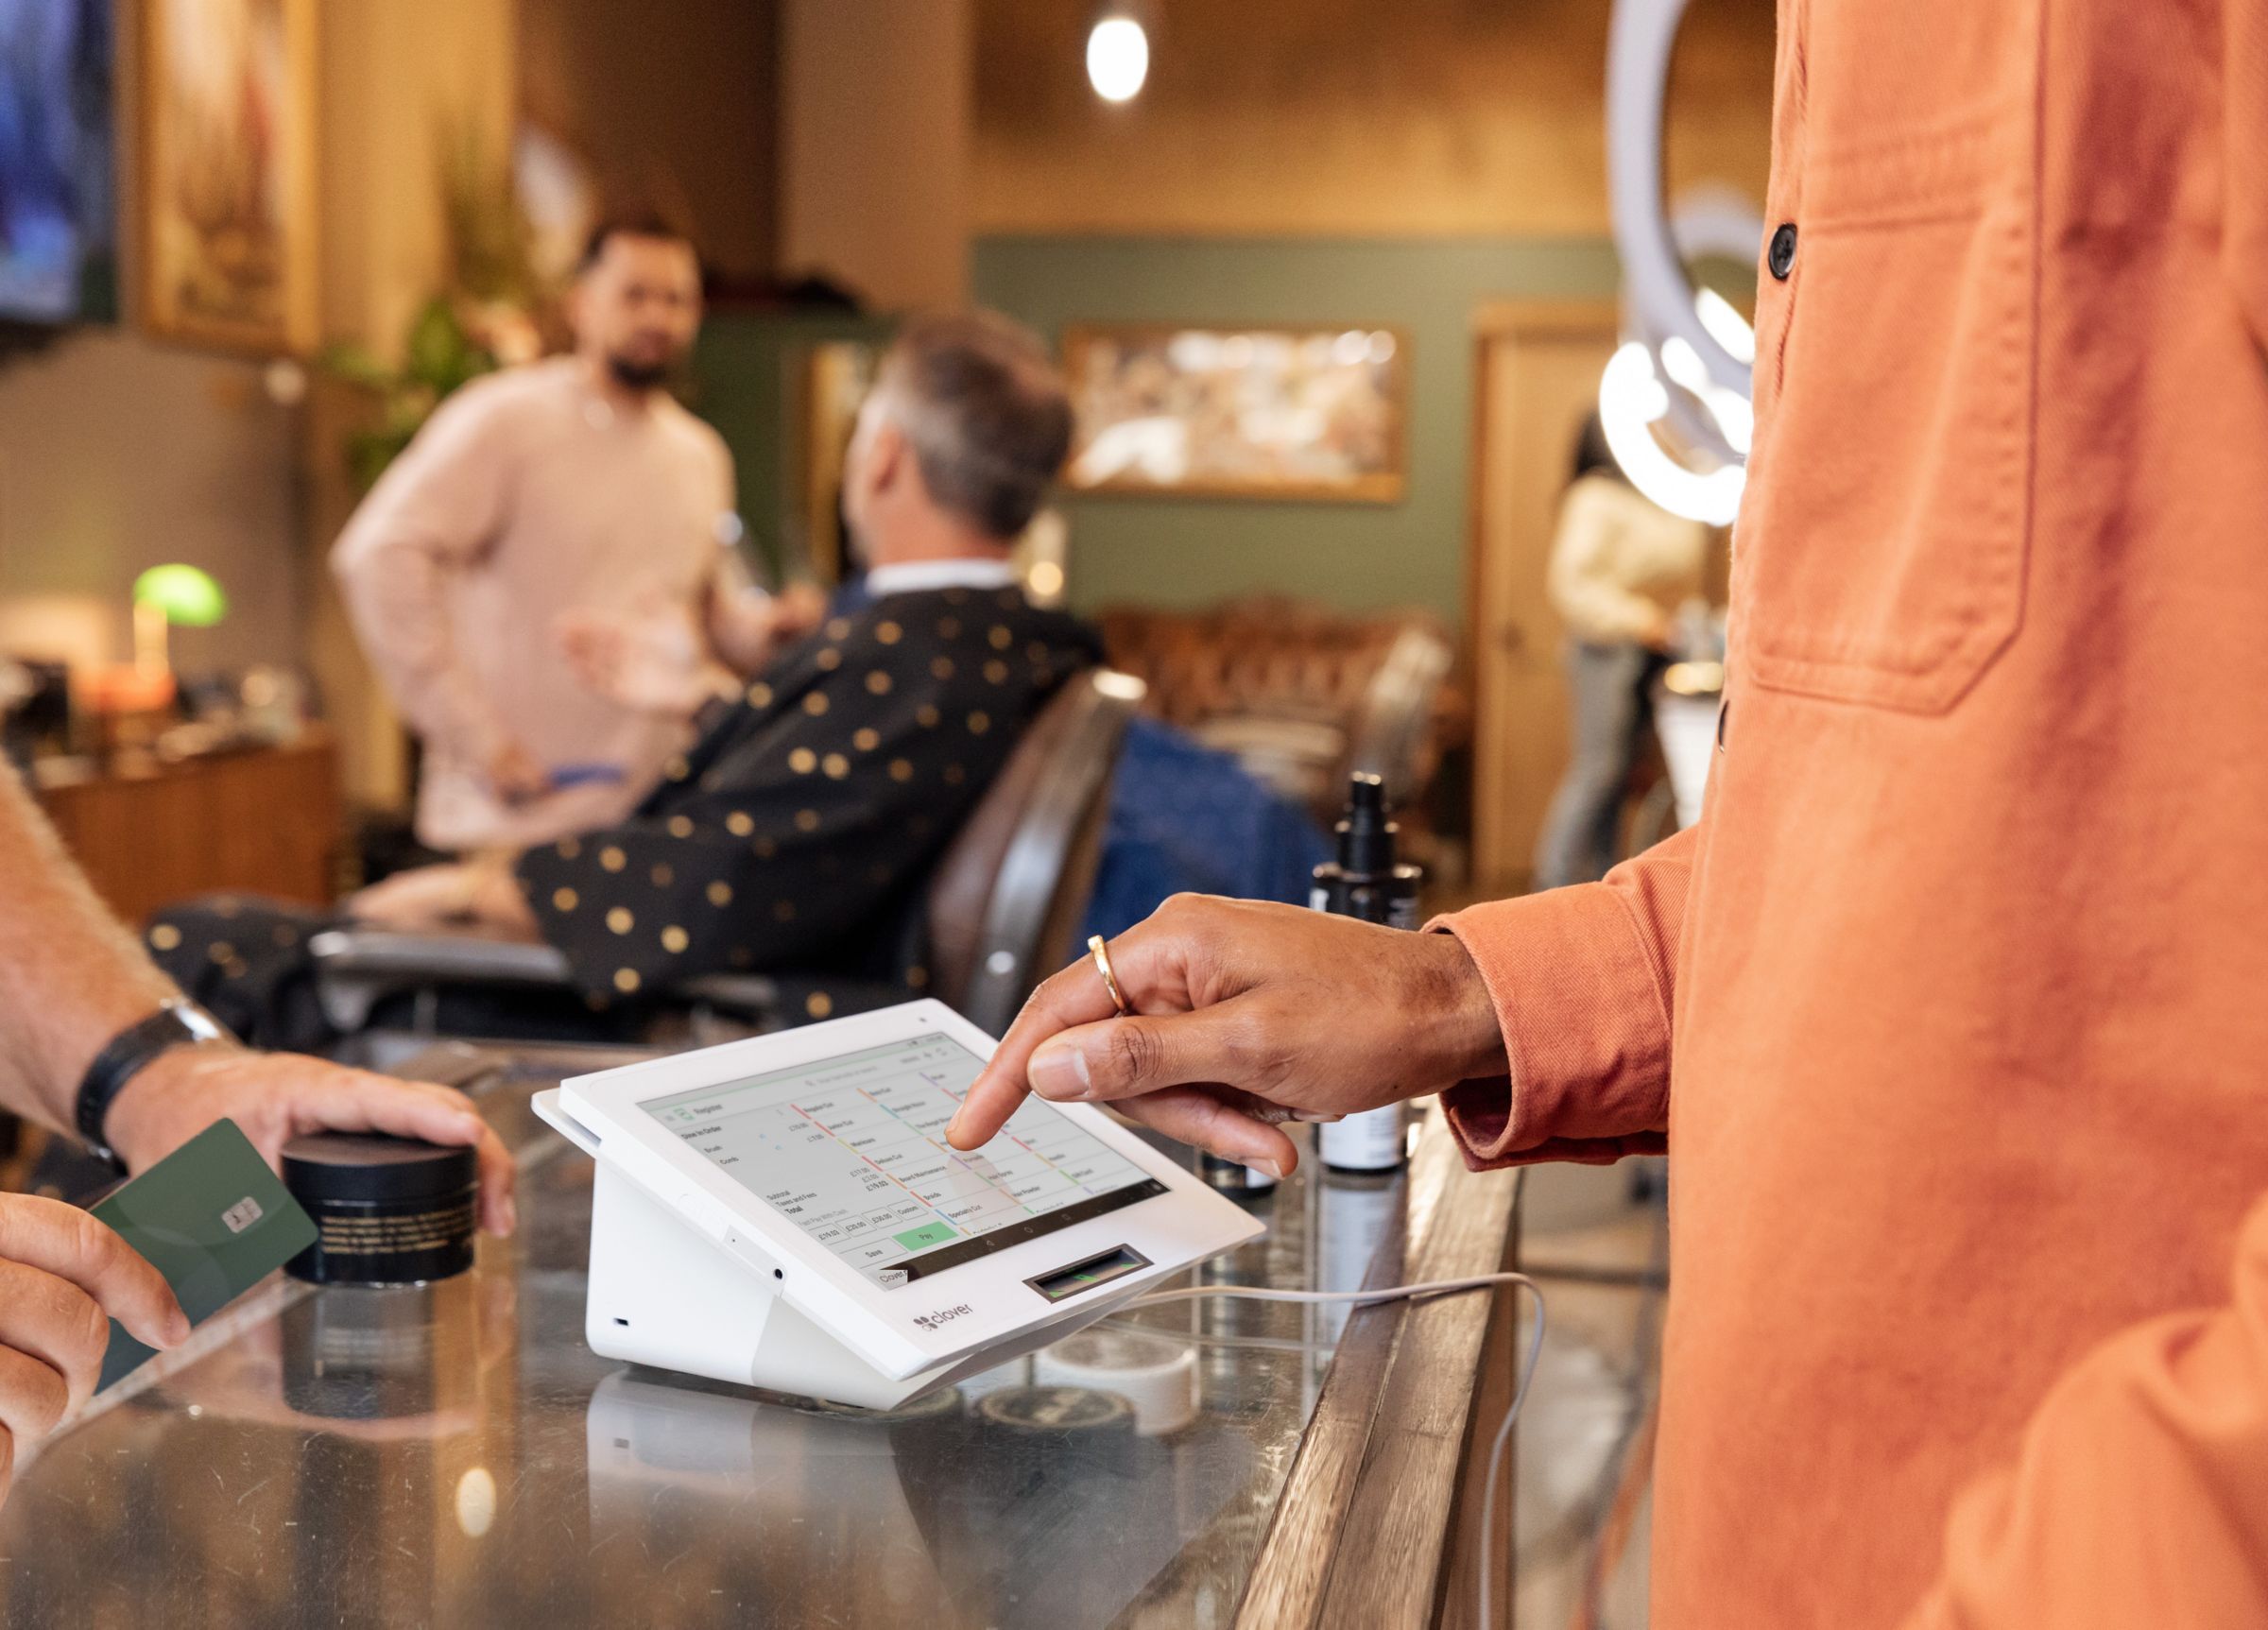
x: 387, y: 1210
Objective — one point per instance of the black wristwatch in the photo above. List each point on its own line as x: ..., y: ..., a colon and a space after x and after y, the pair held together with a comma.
x: 178, y: 1024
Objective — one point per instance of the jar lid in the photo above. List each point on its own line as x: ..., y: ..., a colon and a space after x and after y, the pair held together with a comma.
x: 321, y: 1166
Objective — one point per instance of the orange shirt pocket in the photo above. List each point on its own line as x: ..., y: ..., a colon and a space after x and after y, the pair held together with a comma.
x: 1888, y: 522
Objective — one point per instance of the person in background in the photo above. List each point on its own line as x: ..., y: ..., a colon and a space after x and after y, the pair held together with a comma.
x: 75, y: 990
x: 1949, y: 1007
x: 1620, y: 568
x: 532, y: 498
x: 798, y: 833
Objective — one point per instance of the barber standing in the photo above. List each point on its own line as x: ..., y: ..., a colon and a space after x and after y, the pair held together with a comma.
x: 532, y: 500
x: 1949, y: 1009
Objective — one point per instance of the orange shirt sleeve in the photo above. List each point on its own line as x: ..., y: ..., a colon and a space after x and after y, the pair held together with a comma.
x: 2140, y: 1495
x: 2244, y: 156
x: 1583, y: 980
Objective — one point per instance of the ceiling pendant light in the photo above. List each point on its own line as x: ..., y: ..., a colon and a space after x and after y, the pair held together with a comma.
x: 1118, y: 57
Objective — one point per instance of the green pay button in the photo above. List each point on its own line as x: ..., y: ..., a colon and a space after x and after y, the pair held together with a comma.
x: 927, y: 1234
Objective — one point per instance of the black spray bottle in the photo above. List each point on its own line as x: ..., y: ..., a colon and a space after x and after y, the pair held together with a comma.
x: 1367, y: 881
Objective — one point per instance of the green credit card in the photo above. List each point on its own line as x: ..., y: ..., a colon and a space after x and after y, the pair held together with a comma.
x: 214, y: 1220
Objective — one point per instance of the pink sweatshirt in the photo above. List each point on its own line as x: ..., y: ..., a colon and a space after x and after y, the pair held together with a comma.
x: 528, y: 495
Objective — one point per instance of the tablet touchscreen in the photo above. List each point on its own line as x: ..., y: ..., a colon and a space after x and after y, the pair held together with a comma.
x: 853, y: 1151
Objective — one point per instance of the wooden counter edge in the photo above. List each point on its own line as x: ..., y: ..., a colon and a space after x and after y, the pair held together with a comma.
x: 1378, y: 1524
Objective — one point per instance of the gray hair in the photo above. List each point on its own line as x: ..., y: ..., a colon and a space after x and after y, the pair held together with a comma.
x: 986, y: 413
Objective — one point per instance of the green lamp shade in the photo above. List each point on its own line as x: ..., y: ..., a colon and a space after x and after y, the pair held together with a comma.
x: 187, y: 596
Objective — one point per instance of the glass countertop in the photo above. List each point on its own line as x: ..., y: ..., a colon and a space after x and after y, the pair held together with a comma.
x: 456, y: 1455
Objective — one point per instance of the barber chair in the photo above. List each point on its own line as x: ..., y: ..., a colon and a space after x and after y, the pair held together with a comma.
x: 1003, y: 905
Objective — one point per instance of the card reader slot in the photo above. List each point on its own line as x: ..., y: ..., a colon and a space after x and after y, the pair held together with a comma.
x: 1088, y: 1272
x: 550, y: 1109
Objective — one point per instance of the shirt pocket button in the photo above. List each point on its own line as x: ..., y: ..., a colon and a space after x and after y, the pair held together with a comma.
x: 1780, y: 257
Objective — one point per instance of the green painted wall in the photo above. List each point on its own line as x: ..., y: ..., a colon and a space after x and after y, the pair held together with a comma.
x: 1192, y: 552
x: 747, y: 374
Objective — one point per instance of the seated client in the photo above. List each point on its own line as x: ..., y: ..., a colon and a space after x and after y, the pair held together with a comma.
x: 798, y: 829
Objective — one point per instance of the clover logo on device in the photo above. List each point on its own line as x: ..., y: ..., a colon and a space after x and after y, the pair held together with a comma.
x: 943, y: 1315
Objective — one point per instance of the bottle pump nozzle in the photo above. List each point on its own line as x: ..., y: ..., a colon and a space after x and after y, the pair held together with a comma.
x: 1365, y: 836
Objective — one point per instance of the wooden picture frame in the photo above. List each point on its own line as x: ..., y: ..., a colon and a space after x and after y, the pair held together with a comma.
x: 1307, y: 413
x: 226, y: 196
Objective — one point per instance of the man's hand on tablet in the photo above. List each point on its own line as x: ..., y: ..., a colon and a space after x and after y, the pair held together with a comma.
x: 1247, y: 1014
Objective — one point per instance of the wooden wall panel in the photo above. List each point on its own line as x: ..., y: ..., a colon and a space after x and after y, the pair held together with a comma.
x: 684, y: 110
x: 1427, y: 117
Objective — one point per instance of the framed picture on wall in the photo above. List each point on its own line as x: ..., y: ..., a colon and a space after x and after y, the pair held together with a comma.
x: 1290, y: 413
x: 227, y: 191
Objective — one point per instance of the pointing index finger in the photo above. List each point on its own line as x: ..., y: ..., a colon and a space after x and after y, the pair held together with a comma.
x: 1074, y: 996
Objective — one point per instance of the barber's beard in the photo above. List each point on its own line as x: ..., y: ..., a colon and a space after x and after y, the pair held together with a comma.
x: 640, y: 375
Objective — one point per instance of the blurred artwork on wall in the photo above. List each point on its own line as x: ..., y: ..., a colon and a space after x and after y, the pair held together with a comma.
x: 1309, y: 414
x: 57, y: 161
x: 228, y: 238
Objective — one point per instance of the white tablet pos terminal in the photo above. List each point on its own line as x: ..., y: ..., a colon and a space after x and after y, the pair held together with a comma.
x: 784, y: 1211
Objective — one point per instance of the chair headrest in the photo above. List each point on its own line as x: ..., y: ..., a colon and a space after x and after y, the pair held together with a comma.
x: 962, y: 887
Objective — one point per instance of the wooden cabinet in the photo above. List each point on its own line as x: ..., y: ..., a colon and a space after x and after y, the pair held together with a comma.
x: 267, y: 820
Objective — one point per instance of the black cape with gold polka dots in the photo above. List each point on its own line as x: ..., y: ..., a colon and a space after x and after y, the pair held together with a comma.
x: 796, y: 834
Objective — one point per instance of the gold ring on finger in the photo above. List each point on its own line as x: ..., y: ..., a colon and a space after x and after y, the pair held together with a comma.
x: 1101, y: 953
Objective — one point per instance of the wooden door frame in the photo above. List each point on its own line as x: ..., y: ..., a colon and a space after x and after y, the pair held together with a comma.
x: 1518, y: 321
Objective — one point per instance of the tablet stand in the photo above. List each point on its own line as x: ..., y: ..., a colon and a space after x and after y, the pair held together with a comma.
x: 663, y: 1292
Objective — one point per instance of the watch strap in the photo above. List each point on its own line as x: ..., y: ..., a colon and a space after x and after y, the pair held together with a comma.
x: 178, y: 1024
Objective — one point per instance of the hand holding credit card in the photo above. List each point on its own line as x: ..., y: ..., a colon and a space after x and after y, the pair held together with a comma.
x: 213, y: 1219
x: 82, y: 1299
